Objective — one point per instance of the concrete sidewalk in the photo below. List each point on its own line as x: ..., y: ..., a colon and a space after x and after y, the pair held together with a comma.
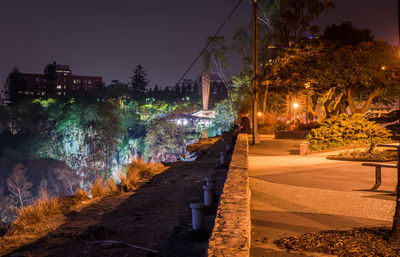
x: 292, y: 194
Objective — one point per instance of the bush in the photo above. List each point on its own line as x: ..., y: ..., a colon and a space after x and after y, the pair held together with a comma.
x: 137, y: 172
x: 98, y: 188
x: 81, y: 195
x: 163, y: 138
x: 224, y: 115
x: 39, y: 211
x: 344, y: 131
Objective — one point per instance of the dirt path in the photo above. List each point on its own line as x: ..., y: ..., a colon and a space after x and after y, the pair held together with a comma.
x: 147, y: 218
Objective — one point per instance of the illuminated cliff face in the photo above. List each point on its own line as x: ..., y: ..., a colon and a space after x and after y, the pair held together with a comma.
x: 205, y: 82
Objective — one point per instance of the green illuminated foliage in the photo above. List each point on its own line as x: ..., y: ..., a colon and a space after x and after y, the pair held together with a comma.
x: 347, y: 131
x: 224, y: 115
x: 163, y: 138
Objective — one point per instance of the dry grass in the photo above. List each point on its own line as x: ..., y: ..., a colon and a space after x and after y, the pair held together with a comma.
x: 137, y: 172
x: 98, y: 188
x: 82, y: 195
x: 39, y: 211
x: 112, y: 186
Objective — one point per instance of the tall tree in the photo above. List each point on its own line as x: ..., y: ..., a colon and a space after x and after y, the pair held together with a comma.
x: 288, y: 20
x: 50, y: 75
x: 139, y: 82
x: 15, y: 86
x: 353, y: 76
x: 18, y: 184
x: 345, y: 34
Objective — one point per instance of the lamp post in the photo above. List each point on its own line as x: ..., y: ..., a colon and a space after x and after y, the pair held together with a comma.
x: 307, y: 87
x: 255, y: 64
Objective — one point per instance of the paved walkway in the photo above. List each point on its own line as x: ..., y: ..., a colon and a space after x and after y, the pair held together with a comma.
x: 292, y: 194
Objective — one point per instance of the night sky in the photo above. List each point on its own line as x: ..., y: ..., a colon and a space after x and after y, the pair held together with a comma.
x: 109, y: 38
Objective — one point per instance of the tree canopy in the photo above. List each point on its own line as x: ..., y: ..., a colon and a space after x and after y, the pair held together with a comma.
x: 352, y: 76
x: 139, y: 81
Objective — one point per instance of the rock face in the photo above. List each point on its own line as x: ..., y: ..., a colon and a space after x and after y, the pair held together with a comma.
x: 231, y: 233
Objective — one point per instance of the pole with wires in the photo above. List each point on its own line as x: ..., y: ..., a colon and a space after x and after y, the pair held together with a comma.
x: 256, y: 139
x: 186, y: 71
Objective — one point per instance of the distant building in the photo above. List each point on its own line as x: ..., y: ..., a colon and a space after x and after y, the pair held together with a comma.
x: 58, y: 79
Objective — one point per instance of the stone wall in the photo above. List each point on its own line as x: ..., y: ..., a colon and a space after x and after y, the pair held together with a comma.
x: 231, y: 233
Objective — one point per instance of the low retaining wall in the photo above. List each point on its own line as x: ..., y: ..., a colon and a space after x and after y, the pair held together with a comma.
x: 231, y: 233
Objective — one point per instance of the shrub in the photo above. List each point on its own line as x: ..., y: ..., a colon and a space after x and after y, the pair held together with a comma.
x: 82, y: 195
x: 224, y: 115
x: 39, y: 211
x: 162, y: 138
x: 98, y: 188
x: 112, y: 186
x: 137, y: 172
x: 344, y: 131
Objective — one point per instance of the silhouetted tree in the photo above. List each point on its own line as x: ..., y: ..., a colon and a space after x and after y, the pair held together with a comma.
x: 50, y: 75
x: 345, y: 34
x: 139, y: 82
x: 15, y: 86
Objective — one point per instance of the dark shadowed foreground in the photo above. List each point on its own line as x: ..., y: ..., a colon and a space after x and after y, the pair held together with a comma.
x: 149, y: 217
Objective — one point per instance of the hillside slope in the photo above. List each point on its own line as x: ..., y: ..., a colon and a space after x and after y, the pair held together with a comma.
x: 146, y: 218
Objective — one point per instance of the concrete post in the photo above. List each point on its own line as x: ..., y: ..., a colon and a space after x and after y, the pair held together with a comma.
x: 210, y: 181
x: 304, y: 148
x: 223, y: 158
x: 209, y: 195
x: 197, y: 215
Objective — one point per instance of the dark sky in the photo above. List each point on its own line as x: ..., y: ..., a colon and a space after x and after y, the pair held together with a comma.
x: 109, y: 38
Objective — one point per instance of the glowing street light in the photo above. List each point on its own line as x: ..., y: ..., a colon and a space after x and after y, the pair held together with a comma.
x: 295, y: 106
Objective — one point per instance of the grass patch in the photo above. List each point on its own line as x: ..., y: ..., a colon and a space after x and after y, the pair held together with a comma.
x: 98, y: 188
x: 81, y: 195
x: 138, y: 172
x: 45, y: 206
x: 373, y: 241
x: 373, y: 156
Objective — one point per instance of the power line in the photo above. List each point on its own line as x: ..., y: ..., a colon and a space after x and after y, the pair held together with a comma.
x: 201, y: 52
x: 187, y: 70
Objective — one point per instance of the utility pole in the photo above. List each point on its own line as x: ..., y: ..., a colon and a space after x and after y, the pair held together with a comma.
x: 396, y: 217
x: 256, y: 139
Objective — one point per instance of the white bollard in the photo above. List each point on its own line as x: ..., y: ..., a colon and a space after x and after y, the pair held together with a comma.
x: 210, y: 181
x: 197, y: 215
x: 228, y: 146
x: 304, y: 148
x: 209, y: 195
x: 223, y: 158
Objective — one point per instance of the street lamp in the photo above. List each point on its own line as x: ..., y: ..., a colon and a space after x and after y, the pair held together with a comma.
x: 307, y: 85
x: 295, y: 106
